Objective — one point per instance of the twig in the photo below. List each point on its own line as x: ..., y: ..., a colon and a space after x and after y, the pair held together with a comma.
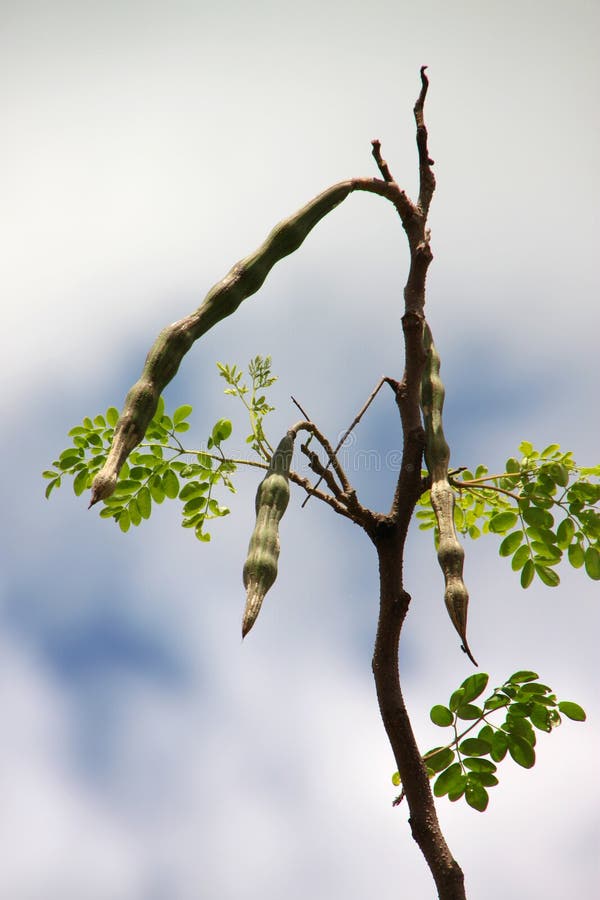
x: 381, y: 163
x: 312, y: 429
x: 319, y: 469
x: 355, y: 422
x: 305, y: 414
x: 426, y: 176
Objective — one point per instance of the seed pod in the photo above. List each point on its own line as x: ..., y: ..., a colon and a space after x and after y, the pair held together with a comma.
x: 437, y: 455
x: 174, y: 341
x: 272, y: 497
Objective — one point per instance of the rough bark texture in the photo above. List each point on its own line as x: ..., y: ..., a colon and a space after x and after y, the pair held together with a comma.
x: 389, y: 533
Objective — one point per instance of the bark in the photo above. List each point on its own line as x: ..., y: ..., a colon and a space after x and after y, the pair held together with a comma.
x: 394, y: 603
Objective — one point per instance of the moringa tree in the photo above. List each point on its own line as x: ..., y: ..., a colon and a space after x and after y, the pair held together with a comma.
x: 542, y: 503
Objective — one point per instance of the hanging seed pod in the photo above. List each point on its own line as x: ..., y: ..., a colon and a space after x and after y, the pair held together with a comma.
x: 437, y: 456
x: 272, y: 497
x: 174, y: 341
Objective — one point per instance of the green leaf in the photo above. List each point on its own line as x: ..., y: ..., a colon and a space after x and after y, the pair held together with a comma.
x: 203, y: 536
x: 548, y: 576
x: 502, y: 522
x: 50, y: 487
x: 560, y: 474
x: 484, y: 778
x: 396, y: 780
x: 221, y: 431
x: 458, y: 789
x: 540, y: 517
x: 541, y: 717
x: 123, y: 520
x: 156, y: 489
x: 520, y: 558
x: 139, y: 473
x: 476, y: 796
x: 534, y: 687
x: 510, y: 543
x: 447, y: 780
x: 592, y: 562
x: 512, y: 465
x: 112, y: 416
x: 475, y: 747
x: 134, y: 512
x: 68, y: 459
x: 522, y: 676
x: 193, y: 505
x: 456, y: 699
x: 525, y: 448
x: 193, y: 489
x: 572, y: 711
x: 437, y: 762
x: 550, y: 450
x: 576, y: 555
x: 521, y: 751
x: 496, y: 702
x: 521, y: 726
x: 542, y: 536
x: 479, y: 765
x: 170, y: 484
x: 486, y: 734
x: 527, y: 574
x: 473, y: 686
x: 181, y: 413
x: 469, y: 711
x: 110, y: 512
x: 80, y: 482
x: 499, y: 746
x: 441, y: 715
x: 144, y: 502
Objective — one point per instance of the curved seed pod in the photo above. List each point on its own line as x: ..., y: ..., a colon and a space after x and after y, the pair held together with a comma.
x: 173, y: 342
x: 437, y: 455
x: 272, y: 497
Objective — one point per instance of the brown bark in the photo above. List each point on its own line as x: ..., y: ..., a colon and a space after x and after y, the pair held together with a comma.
x: 389, y: 532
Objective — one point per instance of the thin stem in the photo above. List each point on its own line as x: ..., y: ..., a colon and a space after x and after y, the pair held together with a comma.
x: 312, y: 429
x: 352, y: 425
x: 473, y: 486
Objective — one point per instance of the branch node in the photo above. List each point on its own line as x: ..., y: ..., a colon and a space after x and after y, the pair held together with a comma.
x: 381, y: 163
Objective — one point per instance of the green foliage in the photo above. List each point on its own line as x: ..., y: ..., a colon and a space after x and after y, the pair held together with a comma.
x: 467, y: 766
x: 259, y: 370
x: 161, y: 468
x: 544, y: 506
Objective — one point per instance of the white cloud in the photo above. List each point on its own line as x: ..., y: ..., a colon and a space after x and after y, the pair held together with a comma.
x: 146, y: 151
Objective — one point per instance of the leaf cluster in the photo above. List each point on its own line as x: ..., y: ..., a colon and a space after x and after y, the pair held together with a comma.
x: 159, y: 469
x: 259, y: 370
x: 467, y: 766
x: 543, y: 505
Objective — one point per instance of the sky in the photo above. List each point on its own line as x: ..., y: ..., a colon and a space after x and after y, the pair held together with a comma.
x: 147, y: 754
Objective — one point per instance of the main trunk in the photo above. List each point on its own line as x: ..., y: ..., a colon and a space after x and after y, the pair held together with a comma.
x: 394, y: 602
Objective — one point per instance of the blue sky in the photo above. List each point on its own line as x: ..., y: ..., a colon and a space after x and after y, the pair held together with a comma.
x: 146, y: 752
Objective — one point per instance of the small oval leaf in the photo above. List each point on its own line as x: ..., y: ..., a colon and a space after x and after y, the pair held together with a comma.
x: 572, y: 711
x: 441, y: 715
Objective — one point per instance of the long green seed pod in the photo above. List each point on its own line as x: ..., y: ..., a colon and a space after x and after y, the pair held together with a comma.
x: 173, y: 342
x: 437, y: 455
x: 272, y: 497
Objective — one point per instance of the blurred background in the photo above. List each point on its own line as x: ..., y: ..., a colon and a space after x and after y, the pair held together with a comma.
x: 146, y: 754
